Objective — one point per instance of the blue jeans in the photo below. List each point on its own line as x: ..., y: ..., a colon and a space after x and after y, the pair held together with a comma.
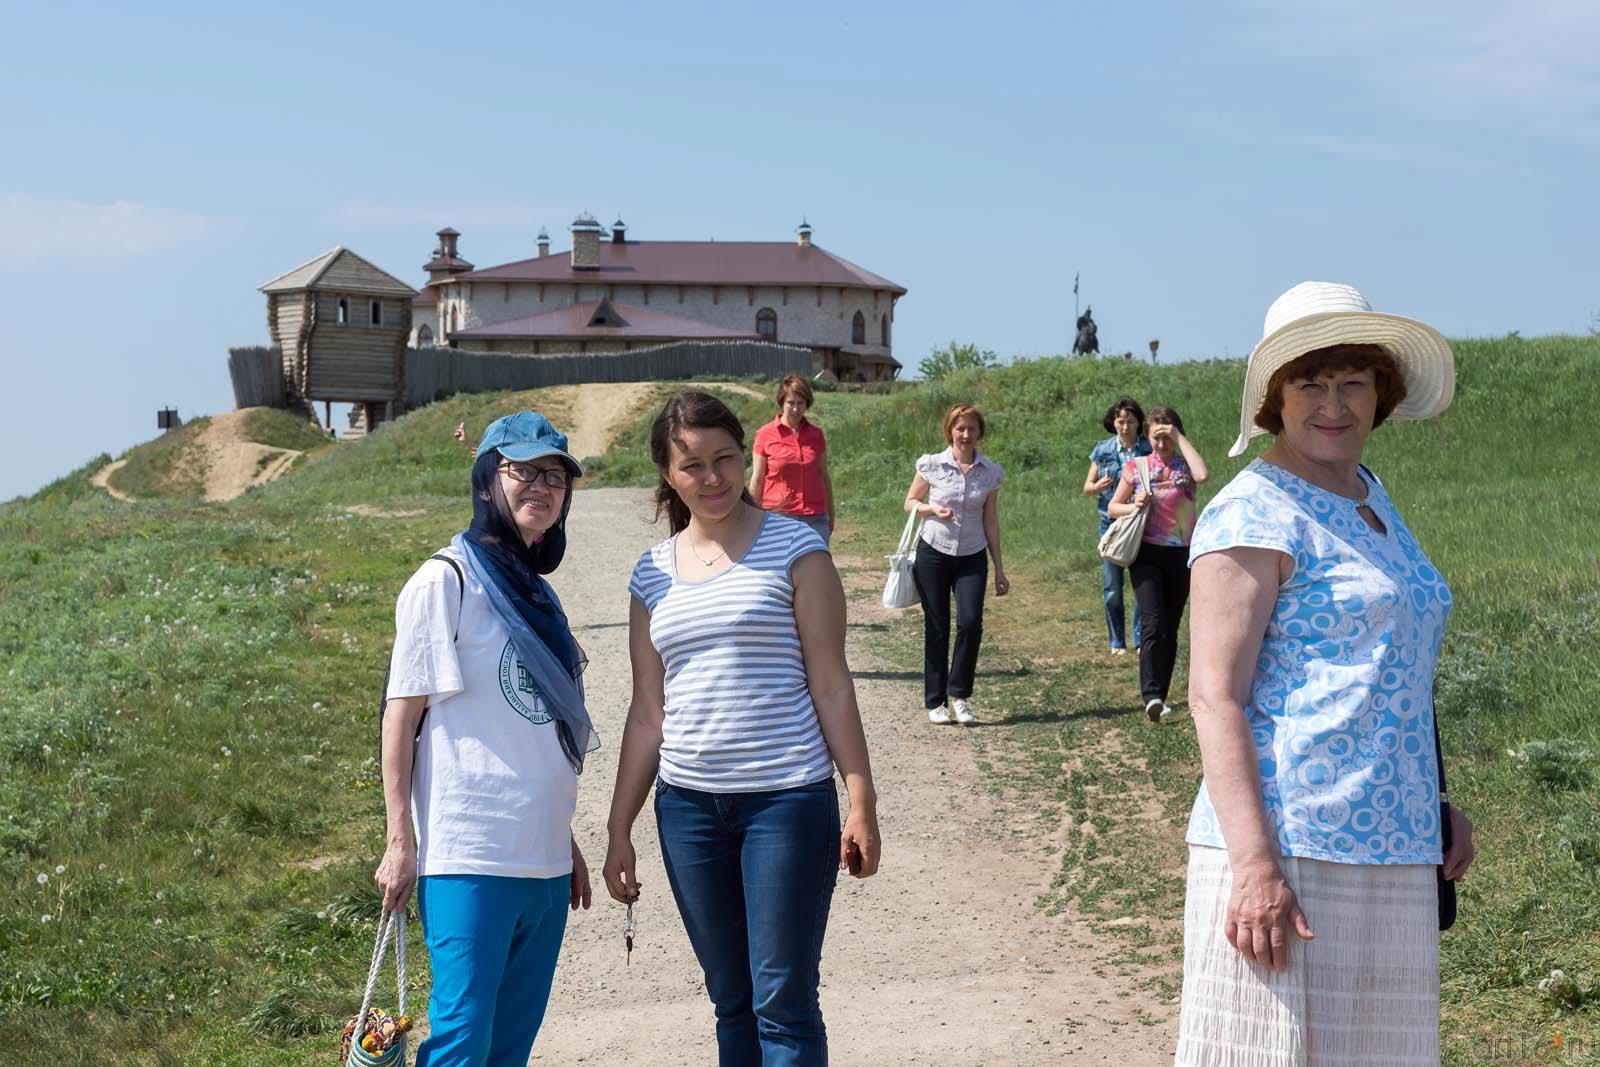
x: 753, y: 875
x: 1111, y: 580
x: 818, y: 523
x: 493, y: 944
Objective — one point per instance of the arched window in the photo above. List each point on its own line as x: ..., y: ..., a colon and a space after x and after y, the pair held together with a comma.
x: 858, y: 329
x: 343, y: 316
x: 424, y: 336
x: 883, y: 331
x: 767, y: 324
x: 375, y: 313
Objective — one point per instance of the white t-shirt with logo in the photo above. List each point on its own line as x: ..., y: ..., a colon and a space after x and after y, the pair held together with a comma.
x: 491, y: 791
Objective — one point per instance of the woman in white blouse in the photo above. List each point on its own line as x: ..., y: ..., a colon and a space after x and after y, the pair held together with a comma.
x: 961, y: 520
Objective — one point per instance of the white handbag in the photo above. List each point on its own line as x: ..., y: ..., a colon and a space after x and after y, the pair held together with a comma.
x: 1120, y: 543
x: 900, y: 591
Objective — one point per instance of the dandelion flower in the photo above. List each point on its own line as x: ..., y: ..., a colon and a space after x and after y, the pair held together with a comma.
x: 46, y: 918
x: 61, y: 868
x: 42, y: 878
x: 159, y: 921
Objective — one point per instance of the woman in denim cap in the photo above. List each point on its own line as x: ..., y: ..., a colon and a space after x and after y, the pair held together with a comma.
x: 1311, y: 928
x: 1124, y: 421
x: 484, y: 735
x: 742, y: 707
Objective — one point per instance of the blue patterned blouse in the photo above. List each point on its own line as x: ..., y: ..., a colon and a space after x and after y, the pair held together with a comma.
x: 1341, y: 707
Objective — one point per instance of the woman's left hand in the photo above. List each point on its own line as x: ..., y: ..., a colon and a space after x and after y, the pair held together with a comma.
x: 1462, y: 852
x: 582, y: 892
x: 861, y: 832
x: 1002, y: 584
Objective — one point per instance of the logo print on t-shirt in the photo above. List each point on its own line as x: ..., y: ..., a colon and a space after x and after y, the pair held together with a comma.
x: 519, y: 688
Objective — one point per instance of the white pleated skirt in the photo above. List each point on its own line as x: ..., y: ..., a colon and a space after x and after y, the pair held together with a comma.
x: 1364, y: 993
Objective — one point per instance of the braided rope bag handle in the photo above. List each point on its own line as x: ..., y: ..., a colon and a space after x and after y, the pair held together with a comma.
x: 391, y: 921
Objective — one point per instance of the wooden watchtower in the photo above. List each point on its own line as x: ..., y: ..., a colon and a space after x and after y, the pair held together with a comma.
x: 342, y: 325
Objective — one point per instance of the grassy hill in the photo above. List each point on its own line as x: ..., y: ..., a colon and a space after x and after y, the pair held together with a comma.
x: 189, y: 812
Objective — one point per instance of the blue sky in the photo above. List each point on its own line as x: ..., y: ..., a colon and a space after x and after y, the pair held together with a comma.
x: 1190, y: 160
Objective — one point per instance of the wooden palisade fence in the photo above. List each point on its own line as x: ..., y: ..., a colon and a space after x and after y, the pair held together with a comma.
x: 434, y: 373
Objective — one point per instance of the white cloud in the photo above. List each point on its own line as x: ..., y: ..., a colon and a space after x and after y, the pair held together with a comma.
x: 38, y: 229
x: 393, y: 215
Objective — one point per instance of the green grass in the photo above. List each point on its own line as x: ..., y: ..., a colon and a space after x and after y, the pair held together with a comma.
x: 1496, y: 497
x: 282, y: 429
x: 189, y: 729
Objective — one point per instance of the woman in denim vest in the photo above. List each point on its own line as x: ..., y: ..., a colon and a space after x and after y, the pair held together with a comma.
x: 1124, y: 421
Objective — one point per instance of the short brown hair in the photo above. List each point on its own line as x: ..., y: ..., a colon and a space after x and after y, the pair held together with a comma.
x: 1167, y: 415
x: 1391, y: 386
x: 964, y: 411
x: 794, y: 383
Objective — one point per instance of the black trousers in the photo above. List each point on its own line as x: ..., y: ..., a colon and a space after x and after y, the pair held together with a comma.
x: 1161, y: 585
x: 937, y: 576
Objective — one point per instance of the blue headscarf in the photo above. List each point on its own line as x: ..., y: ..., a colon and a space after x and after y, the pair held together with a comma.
x: 510, y: 572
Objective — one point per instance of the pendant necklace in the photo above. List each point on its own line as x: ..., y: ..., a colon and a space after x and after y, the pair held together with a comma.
x: 708, y: 562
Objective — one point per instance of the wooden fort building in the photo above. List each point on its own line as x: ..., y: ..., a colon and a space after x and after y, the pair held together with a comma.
x: 342, y: 325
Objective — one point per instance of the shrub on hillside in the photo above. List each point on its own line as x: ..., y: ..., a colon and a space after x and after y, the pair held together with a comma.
x: 953, y: 357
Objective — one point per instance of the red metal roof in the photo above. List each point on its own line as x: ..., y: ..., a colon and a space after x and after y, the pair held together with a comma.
x: 427, y: 298
x: 695, y: 263
x: 446, y: 263
x: 642, y: 324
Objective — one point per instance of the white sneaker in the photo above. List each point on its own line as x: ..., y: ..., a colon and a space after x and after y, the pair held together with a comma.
x: 939, y: 716
x: 1153, y: 709
x: 1172, y: 714
x: 963, y: 711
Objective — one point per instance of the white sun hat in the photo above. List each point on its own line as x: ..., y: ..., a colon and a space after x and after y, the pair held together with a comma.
x: 1315, y: 315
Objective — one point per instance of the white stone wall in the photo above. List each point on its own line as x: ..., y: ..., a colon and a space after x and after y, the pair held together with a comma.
x: 807, y: 319
x: 424, y: 316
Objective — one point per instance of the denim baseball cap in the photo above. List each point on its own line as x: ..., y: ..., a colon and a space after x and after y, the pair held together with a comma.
x: 528, y: 435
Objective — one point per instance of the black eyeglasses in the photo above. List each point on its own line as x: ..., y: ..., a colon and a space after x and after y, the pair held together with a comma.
x: 554, y: 477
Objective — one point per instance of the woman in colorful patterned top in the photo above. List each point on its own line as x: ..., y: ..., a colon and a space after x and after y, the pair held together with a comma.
x: 1161, y: 571
x: 789, y: 461
x: 742, y: 707
x: 1311, y: 928
x: 1124, y: 421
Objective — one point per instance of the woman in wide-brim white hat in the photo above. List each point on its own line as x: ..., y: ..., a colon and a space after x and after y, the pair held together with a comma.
x: 1311, y: 924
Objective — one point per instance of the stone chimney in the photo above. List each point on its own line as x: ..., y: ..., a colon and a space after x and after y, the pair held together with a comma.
x: 544, y: 242
x: 585, y: 243
x: 619, y: 232
x: 802, y: 234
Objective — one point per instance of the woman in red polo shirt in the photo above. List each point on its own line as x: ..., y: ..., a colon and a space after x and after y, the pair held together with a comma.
x: 789, y: 471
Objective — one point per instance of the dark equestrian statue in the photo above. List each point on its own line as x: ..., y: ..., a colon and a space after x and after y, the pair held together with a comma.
x: 1088, y: 336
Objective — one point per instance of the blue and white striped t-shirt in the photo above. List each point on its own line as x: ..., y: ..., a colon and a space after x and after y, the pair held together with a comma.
x: 739, y: 717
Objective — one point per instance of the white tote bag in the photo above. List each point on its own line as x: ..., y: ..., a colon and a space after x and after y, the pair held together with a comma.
x: 1120, y: 543
x: 900, y: 591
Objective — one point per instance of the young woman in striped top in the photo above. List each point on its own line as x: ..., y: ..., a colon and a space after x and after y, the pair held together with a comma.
x: 742, y: 706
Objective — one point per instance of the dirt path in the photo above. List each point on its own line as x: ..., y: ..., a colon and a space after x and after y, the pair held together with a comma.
x: 102, y: 478
x: 941, y: 959
x: 596, y: 411
x: 234, y: 464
